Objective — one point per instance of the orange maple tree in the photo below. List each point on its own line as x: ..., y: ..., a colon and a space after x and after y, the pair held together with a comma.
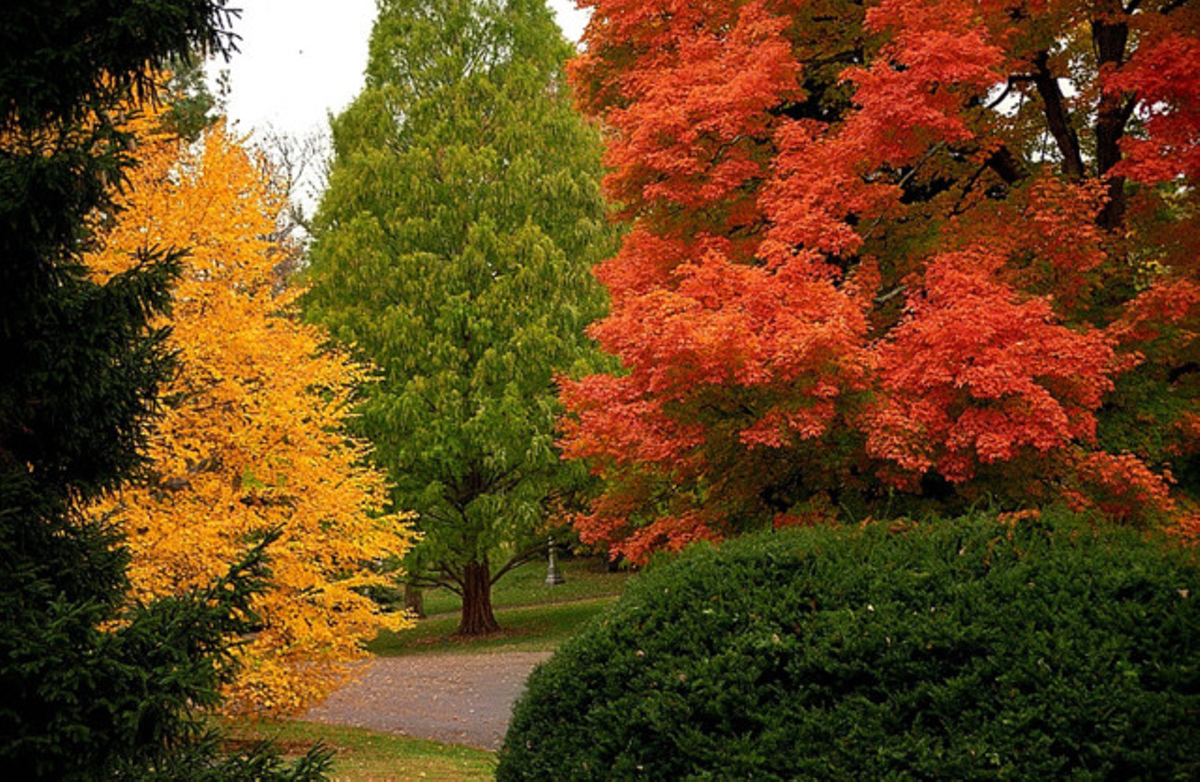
x: 892, y: 254
x: 251, y: 434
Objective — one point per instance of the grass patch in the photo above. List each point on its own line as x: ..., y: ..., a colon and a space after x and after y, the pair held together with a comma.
x: 366, y: 755
x: 539, y: 628
x: 534, y: 617
x: 587, y: 577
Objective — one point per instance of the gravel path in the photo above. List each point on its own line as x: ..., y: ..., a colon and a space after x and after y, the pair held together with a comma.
x: 459, y: 698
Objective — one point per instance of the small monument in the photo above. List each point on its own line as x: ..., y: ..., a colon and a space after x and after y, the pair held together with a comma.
x: 553, y: 577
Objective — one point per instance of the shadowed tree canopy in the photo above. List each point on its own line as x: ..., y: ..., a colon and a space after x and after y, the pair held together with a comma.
x: 893, y: 254
x: 453, y: 249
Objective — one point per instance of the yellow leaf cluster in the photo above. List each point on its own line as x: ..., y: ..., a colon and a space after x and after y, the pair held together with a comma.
x: 251, y: 437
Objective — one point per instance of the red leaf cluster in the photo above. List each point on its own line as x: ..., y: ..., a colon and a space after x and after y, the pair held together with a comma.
x: 943, y: 247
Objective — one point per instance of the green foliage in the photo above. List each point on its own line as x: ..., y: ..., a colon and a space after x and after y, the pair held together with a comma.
x: 91, y: 688
x: 66, y: 58
x: 193, y: 107
x: 1154, y: 391
x: 967, y: 649
x: 99, y: 705
x: 81, y: 702
x: 453, y: 248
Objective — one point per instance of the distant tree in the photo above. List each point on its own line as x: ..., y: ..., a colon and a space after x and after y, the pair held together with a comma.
x: 251, y: 436
x: 299, y: 164
x: 453, y: 249
x: 191, y: 108
x: 92, y: 687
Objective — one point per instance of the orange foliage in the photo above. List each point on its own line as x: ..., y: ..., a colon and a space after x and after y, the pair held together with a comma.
x: 880, y: 246
x: 1163, y: 72
x: 250, y: 438
x: 976, y: 374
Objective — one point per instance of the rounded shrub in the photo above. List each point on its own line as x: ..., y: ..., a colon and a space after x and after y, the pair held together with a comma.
x: 964, y: 649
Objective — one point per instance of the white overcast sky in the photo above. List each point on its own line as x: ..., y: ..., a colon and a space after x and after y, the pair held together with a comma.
x: 302, y: 59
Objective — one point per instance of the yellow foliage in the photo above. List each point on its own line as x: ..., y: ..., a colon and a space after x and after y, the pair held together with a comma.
x: 251, y: 433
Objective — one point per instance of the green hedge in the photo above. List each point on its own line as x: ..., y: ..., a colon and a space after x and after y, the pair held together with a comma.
x: 956, y: 650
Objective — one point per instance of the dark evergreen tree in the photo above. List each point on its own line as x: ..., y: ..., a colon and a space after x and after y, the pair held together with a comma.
x: 453, y: 247
x: 90, y: 687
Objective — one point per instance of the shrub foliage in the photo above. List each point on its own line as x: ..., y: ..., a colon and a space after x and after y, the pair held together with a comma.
x: 977, y: 648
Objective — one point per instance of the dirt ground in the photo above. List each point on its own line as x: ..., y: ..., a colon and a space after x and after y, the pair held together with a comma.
x: 459, y: 698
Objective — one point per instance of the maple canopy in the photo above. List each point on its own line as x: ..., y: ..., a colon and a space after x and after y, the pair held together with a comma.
x: 892, y: 254
x: 251, y: 437
x: 452, y: 249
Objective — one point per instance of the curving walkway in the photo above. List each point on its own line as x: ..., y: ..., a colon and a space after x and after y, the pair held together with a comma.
x: 459, y: 698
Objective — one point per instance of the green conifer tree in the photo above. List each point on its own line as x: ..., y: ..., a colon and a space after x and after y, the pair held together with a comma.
x: 453, y: 247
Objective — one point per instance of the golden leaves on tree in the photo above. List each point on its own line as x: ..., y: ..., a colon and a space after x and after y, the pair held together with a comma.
x: 251, y: 433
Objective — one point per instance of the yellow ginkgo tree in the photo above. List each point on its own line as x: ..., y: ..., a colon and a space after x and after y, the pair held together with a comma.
x: 251, y: 438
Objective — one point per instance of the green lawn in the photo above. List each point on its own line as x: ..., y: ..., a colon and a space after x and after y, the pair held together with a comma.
x: 533, y: 617
x: 365, y: 755
x: 537, y: 628
x: 526, y: 586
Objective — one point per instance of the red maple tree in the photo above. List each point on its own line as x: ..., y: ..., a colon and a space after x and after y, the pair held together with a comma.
x: 892, y: 253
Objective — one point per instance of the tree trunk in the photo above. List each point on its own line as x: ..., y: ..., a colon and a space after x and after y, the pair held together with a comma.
x: 477, y: 617
x: 1112, y: 115
x: 414, y: 601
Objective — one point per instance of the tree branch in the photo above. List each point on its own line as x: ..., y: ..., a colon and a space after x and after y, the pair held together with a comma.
x: 1057, y: 120
x: 904, y: 180
x: 425, y: 581
x: 1112, y: 115
x: 1006, y: 165
x: 448, y: 571
x: 1008, y: 85
x: 1180, y: 371
x: 520, y: 559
